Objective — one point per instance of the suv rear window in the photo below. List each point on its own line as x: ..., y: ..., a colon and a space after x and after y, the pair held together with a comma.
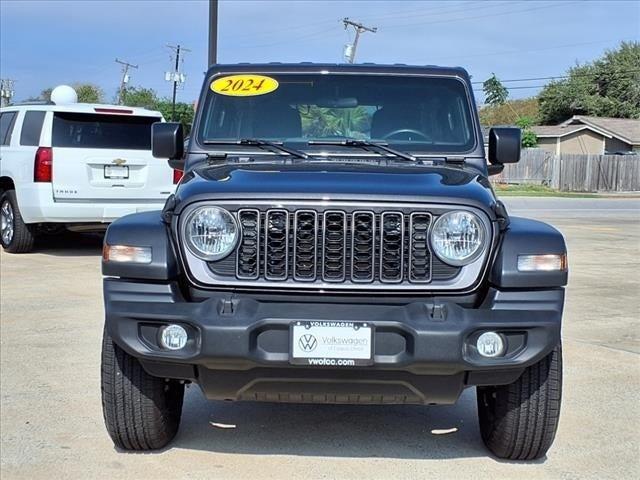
x: 84, y: 130
x: 6, y: 127
x: 31, y: 128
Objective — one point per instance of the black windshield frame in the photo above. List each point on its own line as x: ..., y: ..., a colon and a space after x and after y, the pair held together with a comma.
x: 462, y: 87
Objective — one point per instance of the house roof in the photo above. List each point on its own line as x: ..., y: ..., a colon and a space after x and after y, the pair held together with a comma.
x: 554, y: 131
x: 625, y: 129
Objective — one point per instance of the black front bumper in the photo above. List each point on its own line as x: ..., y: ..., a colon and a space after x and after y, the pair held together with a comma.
x: 423, y: 350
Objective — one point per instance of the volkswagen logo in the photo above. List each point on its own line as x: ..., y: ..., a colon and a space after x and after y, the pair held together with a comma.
x: 308, y: 342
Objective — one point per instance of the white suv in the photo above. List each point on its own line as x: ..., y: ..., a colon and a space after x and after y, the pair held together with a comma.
x: 78, y: 166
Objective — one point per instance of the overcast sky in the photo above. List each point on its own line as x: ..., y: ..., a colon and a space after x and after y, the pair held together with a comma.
x: 46, y: 43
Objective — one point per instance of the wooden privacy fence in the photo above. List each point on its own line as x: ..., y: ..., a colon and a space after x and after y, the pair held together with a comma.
x: 574, y: 173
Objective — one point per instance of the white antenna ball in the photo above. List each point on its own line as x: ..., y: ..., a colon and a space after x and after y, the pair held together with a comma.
x: 64, y: 95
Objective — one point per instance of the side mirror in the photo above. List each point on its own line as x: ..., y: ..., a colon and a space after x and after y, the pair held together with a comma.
x: 167, y: 141
x: 504, y: 145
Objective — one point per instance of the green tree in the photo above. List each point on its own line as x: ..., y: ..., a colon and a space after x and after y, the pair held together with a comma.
x: 509, y: 112
x: 87, y: 93
x: 494, y: 92
x: 607, y: 87
x: 140, y: 97
x: 529, y: 138
x: 184, y: 113
x: 147, y: 98
x: 46, y: 94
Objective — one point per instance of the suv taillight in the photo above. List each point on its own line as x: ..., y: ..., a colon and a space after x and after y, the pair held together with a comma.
x: 43, y: 165
x: 177, y: 175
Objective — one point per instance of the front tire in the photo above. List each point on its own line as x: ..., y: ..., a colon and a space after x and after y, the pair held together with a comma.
x: 15, y: 235
x: 141, y: 412
x: 519, y: 421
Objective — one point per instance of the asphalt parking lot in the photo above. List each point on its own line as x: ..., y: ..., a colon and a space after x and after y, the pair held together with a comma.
x: 51, y: 419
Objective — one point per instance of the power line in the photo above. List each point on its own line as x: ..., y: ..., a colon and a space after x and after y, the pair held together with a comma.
x: 278, y: 31
x: 395, y: 15
x: 519, y: 52
x: 435, y: 12
x: 558, y: 77
x: 317, y: 33
x: 307, y: 26
x: 350, y: 49
x: 514, y: 88
x: 464, y: 18
x: 525, y: 87
x: 409, y: 13
x: 125, y: 78
x: 562, y: 77
x: 153, y: 60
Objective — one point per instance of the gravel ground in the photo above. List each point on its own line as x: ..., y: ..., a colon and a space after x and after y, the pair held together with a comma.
x: 51, y: 419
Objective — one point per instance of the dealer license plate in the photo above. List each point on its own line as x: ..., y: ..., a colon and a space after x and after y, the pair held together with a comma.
x: 116, y: 171
x: 331, y: 344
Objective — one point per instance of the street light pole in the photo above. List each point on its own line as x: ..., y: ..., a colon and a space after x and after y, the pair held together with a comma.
x: 213, y: 32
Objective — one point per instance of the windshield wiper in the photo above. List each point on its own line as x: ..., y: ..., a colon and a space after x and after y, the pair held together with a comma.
x: 256, y: 142
x: 366, y: 145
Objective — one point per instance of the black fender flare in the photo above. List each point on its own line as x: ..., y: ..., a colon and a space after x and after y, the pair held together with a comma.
x: 524, y: 236
x: 146, y: 229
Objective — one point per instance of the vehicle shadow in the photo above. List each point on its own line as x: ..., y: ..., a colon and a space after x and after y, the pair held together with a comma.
x: 70, y: 244
x: 356, y: 431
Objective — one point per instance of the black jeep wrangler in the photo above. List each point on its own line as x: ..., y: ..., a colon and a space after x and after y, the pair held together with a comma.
x: 334, y: 239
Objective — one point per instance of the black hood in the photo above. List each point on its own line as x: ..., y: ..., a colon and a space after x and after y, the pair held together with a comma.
x: 336, y: 182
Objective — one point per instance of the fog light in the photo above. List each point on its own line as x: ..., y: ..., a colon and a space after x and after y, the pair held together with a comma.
x: 490, y: 344
x: 173, y: 337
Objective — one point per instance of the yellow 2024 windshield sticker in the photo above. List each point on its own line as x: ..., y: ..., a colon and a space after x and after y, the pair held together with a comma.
x: 244, y: 85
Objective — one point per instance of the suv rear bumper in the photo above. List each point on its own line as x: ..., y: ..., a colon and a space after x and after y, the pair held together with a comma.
x: 423, y: 350
x: 37, y: 205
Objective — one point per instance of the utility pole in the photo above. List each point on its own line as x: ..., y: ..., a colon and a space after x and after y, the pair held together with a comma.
x: 6, y: 91
x: 125, y: 78
x: 177, y: 77
x: 213, y: 32
x: 350, y: 49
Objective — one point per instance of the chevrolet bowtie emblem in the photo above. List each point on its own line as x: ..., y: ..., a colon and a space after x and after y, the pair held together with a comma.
x: 119, y: 161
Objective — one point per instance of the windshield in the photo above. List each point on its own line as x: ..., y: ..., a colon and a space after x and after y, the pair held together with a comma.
x: 410, y: 113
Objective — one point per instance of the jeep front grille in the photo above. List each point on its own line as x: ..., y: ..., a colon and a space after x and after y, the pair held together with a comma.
x: 335, y: 246
x: 363, y: 238
x: 276, y: 245
x: 248, y: 258
x: 305, y: 243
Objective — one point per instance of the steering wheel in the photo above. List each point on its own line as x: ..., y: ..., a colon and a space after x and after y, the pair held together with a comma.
x: 406, y: 130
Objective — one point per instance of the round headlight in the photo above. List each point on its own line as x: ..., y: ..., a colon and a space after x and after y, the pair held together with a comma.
x: 211, y: 233
x: 458, y: 237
